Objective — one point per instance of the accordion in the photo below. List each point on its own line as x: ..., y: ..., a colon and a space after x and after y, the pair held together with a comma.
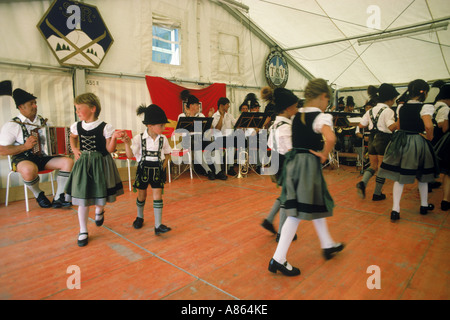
x: 52, y: 141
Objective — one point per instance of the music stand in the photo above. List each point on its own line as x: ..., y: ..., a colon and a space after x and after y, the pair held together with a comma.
x: 187, y: 123
x: 251, y: 120
x: 248, y: 120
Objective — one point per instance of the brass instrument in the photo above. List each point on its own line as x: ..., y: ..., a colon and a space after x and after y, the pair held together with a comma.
x: 243, y: 163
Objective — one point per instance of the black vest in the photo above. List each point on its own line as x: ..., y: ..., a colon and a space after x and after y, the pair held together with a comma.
x: 410, y: 119
x: 92, y: 140
x: 303, y: 135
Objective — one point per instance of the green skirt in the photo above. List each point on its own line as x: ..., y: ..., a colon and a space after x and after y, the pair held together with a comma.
x: 305, y: 194
x: 94, y: 180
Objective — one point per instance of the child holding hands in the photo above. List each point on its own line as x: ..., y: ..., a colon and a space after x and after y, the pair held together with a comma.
x: 151, y: 149
x: 94, y: 180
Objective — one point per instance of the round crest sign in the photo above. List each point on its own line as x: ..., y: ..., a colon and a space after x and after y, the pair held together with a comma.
x: 277, y: 72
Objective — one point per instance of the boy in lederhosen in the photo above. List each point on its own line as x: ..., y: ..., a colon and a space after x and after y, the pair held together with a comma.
x: 151, y: 149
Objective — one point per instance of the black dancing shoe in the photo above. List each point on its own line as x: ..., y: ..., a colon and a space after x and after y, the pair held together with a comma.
x: 99, y: 222
x: 83, y: 242
x: 279, y: 235
x: 395, y: 216
x: 137, y: 224
x: 266, y: 224
x: 61, y: 202
x: 378, y: 197
x: 43, y: 201
x: 221, y: 175
x: 211, y: 175
x: 424, y: 210
x: 445, y: 205
x: 361, y: 189
x: 275, y: 266
x: 328, y: 253
x: 162, y: 229
x: 231, y: 172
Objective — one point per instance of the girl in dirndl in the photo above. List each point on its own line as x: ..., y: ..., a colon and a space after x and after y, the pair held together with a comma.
x: 305, y: 195
x: 410, y: 155
x: 94, y: 179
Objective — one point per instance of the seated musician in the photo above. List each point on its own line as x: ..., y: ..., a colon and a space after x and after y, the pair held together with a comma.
x: 224, y: 122
x: 16, y: 141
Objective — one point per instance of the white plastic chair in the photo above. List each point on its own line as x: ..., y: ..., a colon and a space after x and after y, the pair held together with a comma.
x: 25, y: 188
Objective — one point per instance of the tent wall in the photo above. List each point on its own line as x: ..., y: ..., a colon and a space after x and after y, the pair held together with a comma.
x: 216, y: 47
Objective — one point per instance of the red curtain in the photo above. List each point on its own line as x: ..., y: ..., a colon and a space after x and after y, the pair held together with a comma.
x: 166, y: 95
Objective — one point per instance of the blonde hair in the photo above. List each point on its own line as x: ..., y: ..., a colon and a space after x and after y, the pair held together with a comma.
x: 91, y: 100
x: 315, y: 88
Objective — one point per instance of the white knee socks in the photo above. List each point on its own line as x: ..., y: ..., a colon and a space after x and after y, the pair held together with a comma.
x: 423, y: 190
x: 287, y: 234
x: 396, y: 196
x: 83, y: 215
x: 322, y: 232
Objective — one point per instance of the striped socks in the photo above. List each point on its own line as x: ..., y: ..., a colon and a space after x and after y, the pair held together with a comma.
x: 157, y: 209
x: 34, y: 186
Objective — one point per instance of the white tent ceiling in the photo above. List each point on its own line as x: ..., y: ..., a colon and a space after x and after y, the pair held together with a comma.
x: 345, y: 63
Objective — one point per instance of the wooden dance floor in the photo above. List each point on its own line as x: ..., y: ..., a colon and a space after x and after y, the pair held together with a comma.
x: 217, y: 249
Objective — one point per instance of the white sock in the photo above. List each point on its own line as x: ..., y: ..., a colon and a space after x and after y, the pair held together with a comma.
x: 423, y: 190
x: 324, y: 235
x: 287, y: 234
x: 61, y: 180
x: 33, y: 186
x: 396, y: 196
x: 98, y: 211
x: 83, y: 215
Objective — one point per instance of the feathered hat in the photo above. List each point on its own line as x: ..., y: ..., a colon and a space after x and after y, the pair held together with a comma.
x: 153, y: 114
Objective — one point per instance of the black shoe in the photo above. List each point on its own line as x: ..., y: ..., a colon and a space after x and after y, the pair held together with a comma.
x: 99, y: 223
x: 424, y: 210
x: 231, y: 172
x: 84, y: 242
x: 329, y: 252
x: 275, y: 266
x: 137, y: 224
x: 211, y: 175
x: 61, y: 202
x: 361, y: 189
x: 378, y: 197
x: 395, y: 216
x: 278, y: 237
x: 43, y: 201
x: 445, y: 205
x: 162, y: 229
x: 221, y: 175
x: 268, y: 226
x: 434, y: 185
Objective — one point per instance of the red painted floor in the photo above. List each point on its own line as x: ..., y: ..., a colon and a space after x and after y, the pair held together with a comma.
x: 217, y: 249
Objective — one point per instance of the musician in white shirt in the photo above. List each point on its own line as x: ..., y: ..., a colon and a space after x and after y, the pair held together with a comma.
x: 16, y: 141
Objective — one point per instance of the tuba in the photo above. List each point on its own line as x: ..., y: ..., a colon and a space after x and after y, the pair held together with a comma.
x: 243, y: 161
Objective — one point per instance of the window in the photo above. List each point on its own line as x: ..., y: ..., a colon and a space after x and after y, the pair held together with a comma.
x: 228, y: 46
x: 166, y: 45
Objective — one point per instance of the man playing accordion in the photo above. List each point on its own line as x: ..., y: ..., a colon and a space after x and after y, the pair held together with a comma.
x: 17, y: 141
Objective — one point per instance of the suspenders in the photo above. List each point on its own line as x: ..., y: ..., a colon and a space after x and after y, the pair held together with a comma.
x: 146, y: 153
x: 375, y: 121
x: 145, y: 171
x: 25, y: 131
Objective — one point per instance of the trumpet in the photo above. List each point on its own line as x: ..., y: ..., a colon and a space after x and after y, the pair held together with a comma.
x: 243, y: 163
